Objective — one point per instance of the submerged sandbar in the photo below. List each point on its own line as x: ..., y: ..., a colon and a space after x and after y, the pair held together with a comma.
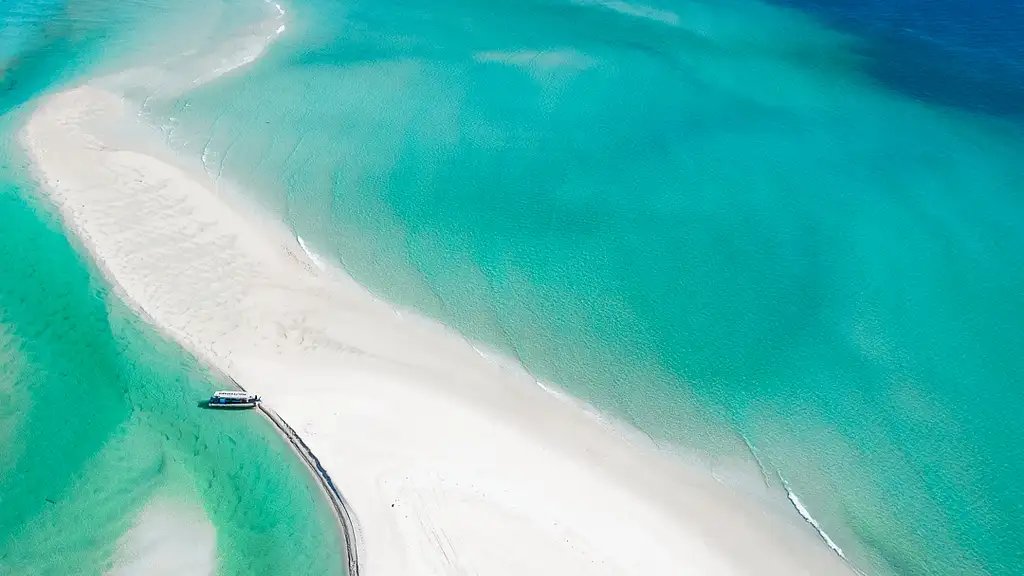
x: 452, y: 462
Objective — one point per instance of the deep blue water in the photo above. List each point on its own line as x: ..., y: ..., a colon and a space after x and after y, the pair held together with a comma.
x: 951, y: 52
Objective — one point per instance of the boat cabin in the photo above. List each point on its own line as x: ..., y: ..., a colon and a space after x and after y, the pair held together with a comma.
x: 233, y: 399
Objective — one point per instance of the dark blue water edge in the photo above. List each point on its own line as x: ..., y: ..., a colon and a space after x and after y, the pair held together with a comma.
x: 967, y: 55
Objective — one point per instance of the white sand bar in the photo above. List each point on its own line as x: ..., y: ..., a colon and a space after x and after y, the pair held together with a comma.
x: 168, y: 539
x: 452, y: 464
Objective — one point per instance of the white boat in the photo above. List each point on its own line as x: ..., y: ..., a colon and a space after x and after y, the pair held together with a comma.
x: 233, y: 399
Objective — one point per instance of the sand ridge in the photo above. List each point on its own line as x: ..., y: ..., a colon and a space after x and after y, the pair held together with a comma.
x: 452, y: 464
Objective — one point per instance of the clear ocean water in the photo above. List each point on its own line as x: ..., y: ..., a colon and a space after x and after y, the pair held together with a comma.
x: 99, y: 413
x: 787, y: 232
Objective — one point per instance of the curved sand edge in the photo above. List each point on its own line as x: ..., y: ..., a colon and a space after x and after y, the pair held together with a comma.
x: 453, y: 464
x: 342, y: 511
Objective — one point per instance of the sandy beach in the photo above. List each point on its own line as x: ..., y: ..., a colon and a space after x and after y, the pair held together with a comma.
x: 452, y: 463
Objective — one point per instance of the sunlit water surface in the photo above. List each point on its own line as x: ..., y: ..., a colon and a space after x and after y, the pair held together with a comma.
x: 737, y: 226
x: 99, y: 414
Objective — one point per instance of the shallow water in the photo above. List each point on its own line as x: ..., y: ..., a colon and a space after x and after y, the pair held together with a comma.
x: 99, y: 414
x: 745, y: 232
x: 720, y: 221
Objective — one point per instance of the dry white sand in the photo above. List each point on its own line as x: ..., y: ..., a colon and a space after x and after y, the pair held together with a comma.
x: 452, y: 463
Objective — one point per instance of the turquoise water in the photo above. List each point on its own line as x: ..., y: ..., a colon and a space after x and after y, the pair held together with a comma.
x: 729, y: 223
x: 98, y: 412
x: 717, y: 220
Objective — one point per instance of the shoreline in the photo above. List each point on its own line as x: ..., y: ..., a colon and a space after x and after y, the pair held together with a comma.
x: 450, y: 461
x: 342, y: 512
x: 117, y: 203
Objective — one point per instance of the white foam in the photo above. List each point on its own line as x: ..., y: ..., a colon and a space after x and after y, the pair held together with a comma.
x: 757, y: 459
x: 554, y: 391
x: 316, y: 260
x: 806, y: 514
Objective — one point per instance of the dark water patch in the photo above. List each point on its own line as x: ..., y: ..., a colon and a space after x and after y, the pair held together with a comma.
x: 968, y: 55
x: 973, y: 81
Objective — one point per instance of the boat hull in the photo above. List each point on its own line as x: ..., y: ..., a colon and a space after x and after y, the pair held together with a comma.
x: 236, y: 406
